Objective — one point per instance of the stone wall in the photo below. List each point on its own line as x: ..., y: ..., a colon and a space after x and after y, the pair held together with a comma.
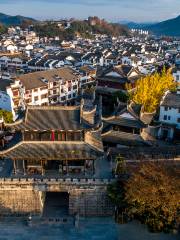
x: 90, y: 203
x: 23, y: 202
x: 88, y: 197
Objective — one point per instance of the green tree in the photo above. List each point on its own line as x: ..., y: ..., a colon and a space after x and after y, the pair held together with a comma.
x: 116, y: 192
x: 80, y: 28
x: 3, y: 29
x: 123, y: 97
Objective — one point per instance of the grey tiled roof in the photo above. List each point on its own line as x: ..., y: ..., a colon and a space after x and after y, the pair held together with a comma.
x: 172, y: 99
x: 50, y: 151
x: 117, y: 120
x: 34, y: 80
x: 119, y: 137
x: 4, y: 84
x: 50, y: 118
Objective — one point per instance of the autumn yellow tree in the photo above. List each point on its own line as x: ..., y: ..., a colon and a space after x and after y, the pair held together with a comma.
x: 7, y: 116
x: 150, y: 89
x: 152, y: 195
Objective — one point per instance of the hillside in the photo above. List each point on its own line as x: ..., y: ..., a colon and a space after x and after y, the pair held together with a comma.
x: 99, y: 26
x: 14, y: 20
x: 85, y: 28
x: 168, y: 28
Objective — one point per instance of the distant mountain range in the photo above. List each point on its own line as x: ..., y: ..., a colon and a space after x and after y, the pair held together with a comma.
x: 135, y: 25
x: 14, y: 20
x: 169, y: 27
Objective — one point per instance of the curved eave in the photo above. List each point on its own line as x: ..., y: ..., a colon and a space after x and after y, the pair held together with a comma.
x: 15, y: 124
x: 50, y: 150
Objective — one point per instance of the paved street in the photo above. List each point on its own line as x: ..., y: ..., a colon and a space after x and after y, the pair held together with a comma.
x: 89, y: 229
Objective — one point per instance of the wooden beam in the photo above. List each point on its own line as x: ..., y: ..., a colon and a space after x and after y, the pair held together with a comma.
x: 53, y: 159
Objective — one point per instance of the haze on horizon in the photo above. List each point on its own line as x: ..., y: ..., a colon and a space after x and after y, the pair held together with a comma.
x: 131, y: 10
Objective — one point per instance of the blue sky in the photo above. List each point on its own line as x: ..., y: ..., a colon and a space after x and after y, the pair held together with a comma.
x: 134, y: 10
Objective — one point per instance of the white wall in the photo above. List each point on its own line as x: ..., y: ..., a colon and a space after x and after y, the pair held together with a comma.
x: 38, y: 94
x: 173, y: 113
x: 177, y: 78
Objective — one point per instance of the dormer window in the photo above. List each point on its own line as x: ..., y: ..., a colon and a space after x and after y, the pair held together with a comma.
x: 56, y: 76
x: 44, y: 80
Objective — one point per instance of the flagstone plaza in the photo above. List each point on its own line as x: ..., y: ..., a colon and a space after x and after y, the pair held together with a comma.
x: 88, y: 228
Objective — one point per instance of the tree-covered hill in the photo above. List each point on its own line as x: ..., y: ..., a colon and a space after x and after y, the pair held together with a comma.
x: 14, y: 20
x: 84, y: 28
x: 3, y: 29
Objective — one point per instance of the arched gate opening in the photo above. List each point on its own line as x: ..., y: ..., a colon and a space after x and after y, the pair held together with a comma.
x: 56, y: 204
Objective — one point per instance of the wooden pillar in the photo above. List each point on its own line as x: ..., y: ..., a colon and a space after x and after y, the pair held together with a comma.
x: 42, y: 169
x: 24, y: 167
x: 67, y: 167
x: 93, y: 167
x: 84, y: 167
x: 14, y: 165
x: 3, y: 143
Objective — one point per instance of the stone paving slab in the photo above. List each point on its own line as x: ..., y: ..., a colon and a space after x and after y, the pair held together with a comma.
x: 89, y: 229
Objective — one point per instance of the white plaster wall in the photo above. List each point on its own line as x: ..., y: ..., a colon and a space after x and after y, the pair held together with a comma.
x: 173, y: 113
x: 38, y: 94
